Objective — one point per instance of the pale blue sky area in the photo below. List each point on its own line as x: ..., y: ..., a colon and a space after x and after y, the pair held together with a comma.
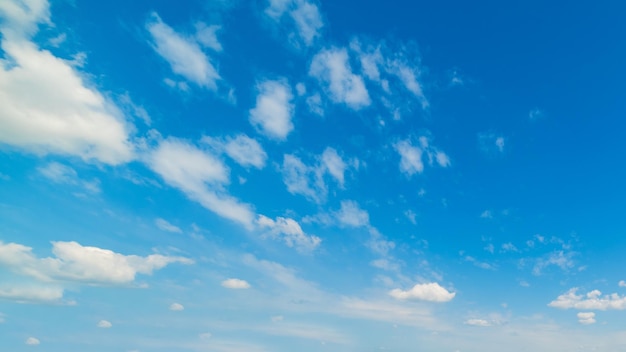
x: 281, y: 175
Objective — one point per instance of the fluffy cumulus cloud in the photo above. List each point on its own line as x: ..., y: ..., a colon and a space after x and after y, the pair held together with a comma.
x: 413, y: 154
x: 274, y: 109
x: 244, y: 150
x: 46, y: 105
x: 167, y: 226
x: 183, y: 53
x: 235, y: 284
x: 331, y: 67
x: 586, y: 318
x: 309, y: 180
x: 593, y: 300
x: 200, y: 175
x: 431, y: 292
x: 622, y: 283
x: 302, y: 14
x: 104, y: 324
x: 289, y: 231
x: 74, y: 262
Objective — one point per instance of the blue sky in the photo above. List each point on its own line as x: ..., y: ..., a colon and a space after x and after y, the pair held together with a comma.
x: 323, y: 176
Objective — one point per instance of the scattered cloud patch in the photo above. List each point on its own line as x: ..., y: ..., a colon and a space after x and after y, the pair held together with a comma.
x: 331, y: 68
x: 351, y: 215
x: 561, y: 259
x: 486, y: 214
x: 31, y: 293
x: 63, y: 174
x: 104, y: 324
x: 593, y: 300
x: 586, y: 318
x: 177, y: 307
x: 182, y: 53
x: 309, y: 181
x: 491, y: 143
x: 235, y: 284
x: 413, y: 154
x: 274, y: 109
x: 477, y: 322
x: 302, y: 14
x: 166, y: 226
x: 289, y: 231
x: 207, y: 36
x: 431, y: 292
x: 536, y: 114
x: 244, y: 150
x: 32, y: 341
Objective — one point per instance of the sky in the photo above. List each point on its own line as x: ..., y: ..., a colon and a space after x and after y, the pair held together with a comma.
x: 280, y: 175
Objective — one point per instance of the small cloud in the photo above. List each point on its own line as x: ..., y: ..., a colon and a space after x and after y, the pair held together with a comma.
x: 431, y: 292
x: 509, y: 247
x: 32, y: 341
x: 166, y: 226
x: 491, y: 143
x: 486, y: 214
x: 477, y: 322
x: 177, y: 307
x: 410, y: 214
x: 274, y: 109
x: 235, y: 284
x: 277, y: 318
x: 535, y: 114
x: 104, y: 324
x: 524, y: 283
x: 586, y: 318
x: 489, y: 248
x: 205, y: 335
x: 622, y: 283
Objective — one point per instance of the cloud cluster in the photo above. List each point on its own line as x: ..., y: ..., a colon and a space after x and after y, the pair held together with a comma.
x: 414, y: 153
x: 593, y: 300
x: 290, y: 232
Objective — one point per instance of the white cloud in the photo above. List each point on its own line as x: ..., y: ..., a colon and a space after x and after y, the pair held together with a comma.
x: 207, y: 36
x: 290, y: 232
x: 509, y: 247
x: 205, y: 335
x: 593, y: 300
x: 167, y: 226
x: 22, y: 17
x: 486, y: 214
x: 335, y: 166
x: 274, y: 109
x: 32, y: 341
x: 586, y: 318
x: 47, y: 108
x: 235, y: 284
x: 277, y: 318
x: 410, y: 214
x: 183, y: 53
x: 491, y: 143
x: 563, y: 260
x: 408, y: 75
x: 476, y: 262
x: 385, y: 264
x: 412, y: 155
x: 63, y: 174
x: 351, y: 215
x: 309, y: 180
x: 74, y: 262
x: 622, y: 283
x: 177, y: 307
x: 304, y: 14
x: 332, y: 69
x: 477, y: 322
x: 244, y: 150
x: 535, y: 114
x: 104, y: 324
x: 31, y: 294
x: 200, y: 176
x: 431, y: 292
